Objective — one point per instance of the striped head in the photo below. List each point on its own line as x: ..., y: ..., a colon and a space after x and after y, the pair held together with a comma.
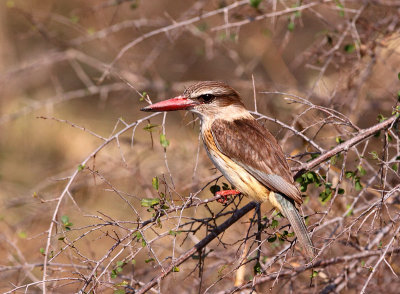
x: 209, y: 99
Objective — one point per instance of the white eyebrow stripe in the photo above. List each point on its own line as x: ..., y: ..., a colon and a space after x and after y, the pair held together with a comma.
x: 207, y: 90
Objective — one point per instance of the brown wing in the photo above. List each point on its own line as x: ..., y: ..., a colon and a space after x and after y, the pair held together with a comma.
x: 254, y: 148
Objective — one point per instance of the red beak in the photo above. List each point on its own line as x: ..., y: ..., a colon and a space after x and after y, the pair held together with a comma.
x: 177, y: 103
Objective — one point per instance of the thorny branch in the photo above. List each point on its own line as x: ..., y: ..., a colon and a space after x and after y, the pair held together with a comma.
x: 238, y: 214
x: 164, y: 228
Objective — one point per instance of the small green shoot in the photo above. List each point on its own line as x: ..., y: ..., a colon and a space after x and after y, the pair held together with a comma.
x: 65, y: 221
x: 155, y: 183
x: 163, y: 141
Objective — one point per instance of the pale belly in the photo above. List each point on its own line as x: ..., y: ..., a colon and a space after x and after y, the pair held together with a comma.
x: 239, y: 177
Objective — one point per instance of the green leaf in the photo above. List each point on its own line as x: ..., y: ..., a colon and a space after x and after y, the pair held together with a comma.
x: 41, y: 250
x: 349, y: 48
x: 374, y: 155
x: 381, y: 118
x: 154, y: 182
x: 22, y: 234
x: 67, y: 224
x: 349, y: 174
x: 123, y: 284
x: 339, y: 140
x: 81, y: 167
x: 341, y: 8
x: 341, y: 191
x: 326, y: 194
x: 361, y: 170
x: 255, y: 3
x: 120, y: 263
x: 149, y: 202
x: 398, y: 75
x: 134, y: 4
x: 149, y: 260
x: 357, y: 184
x: 65, y: 219
x: 150, y: 127
x: 350, y: 211
x: 143, y: 96
x: 396, y: 111
x: 163, y: 140
x: 395, y: 167
x: 175, y: 269
x: 257, y: 268
x: 308, y: 178
x: 274, y: 223
x: 272, y: 239
x: 291, y: 25
x: 119, y: 291
x: 315, y: 155
x: 314, y: 274
x: 334, y: 159
x: 113, y: 274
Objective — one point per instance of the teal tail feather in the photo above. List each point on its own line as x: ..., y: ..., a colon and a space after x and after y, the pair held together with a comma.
x: 297, y: 223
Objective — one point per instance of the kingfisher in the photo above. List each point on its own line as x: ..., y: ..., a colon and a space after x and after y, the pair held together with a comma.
x: 246, y: 153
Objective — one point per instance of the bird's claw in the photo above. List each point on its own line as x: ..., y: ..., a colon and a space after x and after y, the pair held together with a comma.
x: 224, y: 195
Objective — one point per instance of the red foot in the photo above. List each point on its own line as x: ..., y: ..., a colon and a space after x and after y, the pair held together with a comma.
x: 224, y: 195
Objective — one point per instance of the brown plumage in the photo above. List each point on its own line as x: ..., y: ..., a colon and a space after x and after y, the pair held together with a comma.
x: 244, y: 151
x: 261, y: 156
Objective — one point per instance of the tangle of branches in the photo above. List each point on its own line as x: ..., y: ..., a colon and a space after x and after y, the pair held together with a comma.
x: 100, y: 198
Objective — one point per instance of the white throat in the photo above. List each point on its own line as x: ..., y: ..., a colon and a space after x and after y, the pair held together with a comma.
x: 228, y: 113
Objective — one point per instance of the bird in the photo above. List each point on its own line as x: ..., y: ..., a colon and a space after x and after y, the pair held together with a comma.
x: 243, y: 150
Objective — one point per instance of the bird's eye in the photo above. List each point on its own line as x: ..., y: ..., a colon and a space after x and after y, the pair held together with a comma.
x: 206, y: 98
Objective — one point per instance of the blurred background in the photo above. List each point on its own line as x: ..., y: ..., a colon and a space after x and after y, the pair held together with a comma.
x: 77, y: 157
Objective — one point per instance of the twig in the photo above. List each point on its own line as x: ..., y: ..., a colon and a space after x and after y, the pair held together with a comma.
x: 362, y: 135
x: 203, y: 243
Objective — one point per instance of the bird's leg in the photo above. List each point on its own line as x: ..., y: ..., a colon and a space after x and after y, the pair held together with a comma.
x: 224, y: 195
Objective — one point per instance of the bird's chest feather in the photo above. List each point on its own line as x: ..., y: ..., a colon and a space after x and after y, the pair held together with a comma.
x: 234, y: 173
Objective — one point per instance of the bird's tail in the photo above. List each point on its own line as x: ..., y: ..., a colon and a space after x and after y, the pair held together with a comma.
x: 297, y: 223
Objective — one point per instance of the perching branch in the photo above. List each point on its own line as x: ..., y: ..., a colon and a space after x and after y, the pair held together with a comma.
x: 203, y: 243
x: 361, y: 136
